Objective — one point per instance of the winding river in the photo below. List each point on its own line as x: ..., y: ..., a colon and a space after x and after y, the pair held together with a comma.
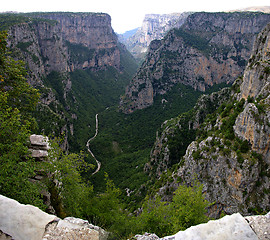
x: 88, y: 148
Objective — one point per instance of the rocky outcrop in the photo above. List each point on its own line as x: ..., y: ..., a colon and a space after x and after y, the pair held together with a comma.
x: 23, y: 222
x: 253, y: 123
x: 40, y: 45
x: 26, y: 222
x: 92, y: 31
x: 39, y: 146
x: 164, y: 154
x: 210, y: 48
x: 154, y: 27
x: 233, y: 227
x: 64, y: 42
x: 230, y: 154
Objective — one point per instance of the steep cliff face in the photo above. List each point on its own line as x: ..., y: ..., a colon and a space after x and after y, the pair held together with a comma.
x: 253, y: 123
x: 92, y: 31
x: 230, y: 155
x: 154, y: 27
x: 40, y: 45
x: 210, y: 48
x: 176, y: 134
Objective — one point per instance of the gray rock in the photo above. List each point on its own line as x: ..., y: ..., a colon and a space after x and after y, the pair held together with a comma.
x: 233, y: 227
x: 39, y: 146
x: 22, y: 222
x: 146, y: 236
x: 39, y: 140
x: 260, y: 225
x: 39, y: 153
x: 26, y: 222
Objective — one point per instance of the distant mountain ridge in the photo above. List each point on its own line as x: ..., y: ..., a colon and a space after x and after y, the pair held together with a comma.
x: 154, y: 26
x: 264, y: 9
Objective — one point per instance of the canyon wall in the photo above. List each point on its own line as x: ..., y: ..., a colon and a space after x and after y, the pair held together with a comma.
x: 209, y: 48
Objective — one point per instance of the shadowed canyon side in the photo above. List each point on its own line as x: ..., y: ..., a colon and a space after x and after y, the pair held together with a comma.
x: 229, y: 152
x: 209, y: 48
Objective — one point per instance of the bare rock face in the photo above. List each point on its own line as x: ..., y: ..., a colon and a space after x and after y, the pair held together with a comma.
x: 253, y: 126
x: 154, y: 27
x: 74, y: 228
x: 256, y: 79
x: 26, y: 222
x: 39, y: 146
x: 253, y: 123
x: 209, y: 48
x: 92, y: 31
x: 40, y: 45
x: 232, y: 227
x: 260, y: 225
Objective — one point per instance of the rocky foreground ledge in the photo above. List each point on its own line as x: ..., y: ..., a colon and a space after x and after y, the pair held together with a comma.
x: 26, y: 222
x: 230, y: 227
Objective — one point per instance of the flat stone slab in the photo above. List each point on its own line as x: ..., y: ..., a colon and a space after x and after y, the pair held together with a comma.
x: 39, y: 140
x: 23, y: 222
x: 39, y: 153
x: 233, y: 227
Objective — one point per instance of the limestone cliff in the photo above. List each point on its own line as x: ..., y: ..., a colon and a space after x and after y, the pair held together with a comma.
x: 154, y: 27
x: 40, y: 45
x: 230, y: 151
x: 92, y: 31
x: 253, y: 123
x: 208, y: 49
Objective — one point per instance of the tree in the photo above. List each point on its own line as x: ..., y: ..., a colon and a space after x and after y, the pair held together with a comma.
x: 20, y: 94
x: 188, y: 208
x: 17, y: 100
x: 70, y: 193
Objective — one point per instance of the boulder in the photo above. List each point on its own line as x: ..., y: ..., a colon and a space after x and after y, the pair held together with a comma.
x: 26, y: 222
x: 233, y: 227
x: 22, y: 222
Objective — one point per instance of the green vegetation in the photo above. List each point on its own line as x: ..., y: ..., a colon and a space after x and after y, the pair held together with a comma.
x: 182, y: 137
x: 9, y: 19
x: 17, y: 100
x: 194, y: 40
x: 188, y: 208
x: 79, y: 53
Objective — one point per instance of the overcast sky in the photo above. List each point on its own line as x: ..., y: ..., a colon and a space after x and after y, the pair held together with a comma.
x: 126, y: 14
